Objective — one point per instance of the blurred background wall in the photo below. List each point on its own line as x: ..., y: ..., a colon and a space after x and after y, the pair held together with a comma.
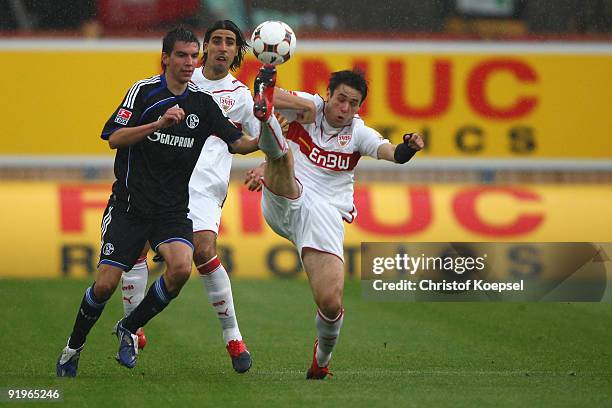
x: 481, y: 18
x: 511, y: 96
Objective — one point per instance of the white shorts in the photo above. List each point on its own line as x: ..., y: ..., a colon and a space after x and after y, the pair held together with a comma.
x: 306, y: 221
x: 205, y: 212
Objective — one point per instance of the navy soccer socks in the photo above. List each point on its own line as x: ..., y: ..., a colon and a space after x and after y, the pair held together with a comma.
x: 156, y: 300
x: 89, y: 312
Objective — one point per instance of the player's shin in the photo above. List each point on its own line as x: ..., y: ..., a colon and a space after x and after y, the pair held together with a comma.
x: 271, y: 140
x: 156, y: 300
x: 328, y: 330
x: 218, y: 288
x: 89, y: 311
x: 134, y: 286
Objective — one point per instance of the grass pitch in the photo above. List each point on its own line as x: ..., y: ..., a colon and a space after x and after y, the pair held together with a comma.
x: 389, y: 354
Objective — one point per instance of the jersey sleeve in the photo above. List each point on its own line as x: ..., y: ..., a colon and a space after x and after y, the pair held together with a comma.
x: 127, y: 113
x: 220, y: 125
x: 250, y: 124
x: 368, y: 141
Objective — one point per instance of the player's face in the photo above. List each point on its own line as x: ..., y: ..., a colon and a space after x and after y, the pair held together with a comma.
x: 181, y: 62
x: 221, y: 49
x: 342, y: 105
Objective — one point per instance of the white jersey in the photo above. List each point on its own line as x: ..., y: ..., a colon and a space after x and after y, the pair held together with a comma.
x: 211, y: 174
x: 325, y: 157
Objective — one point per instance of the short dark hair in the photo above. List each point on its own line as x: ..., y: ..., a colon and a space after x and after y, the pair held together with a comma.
x: 240, y: 41
x: 355, y: 79
x: 177, y: 34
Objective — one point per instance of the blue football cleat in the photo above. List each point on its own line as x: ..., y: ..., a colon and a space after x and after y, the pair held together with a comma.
x: 128, y: 345
x: 68, y: 362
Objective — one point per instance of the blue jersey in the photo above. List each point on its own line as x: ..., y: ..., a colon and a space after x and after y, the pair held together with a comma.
x: 152, y: 176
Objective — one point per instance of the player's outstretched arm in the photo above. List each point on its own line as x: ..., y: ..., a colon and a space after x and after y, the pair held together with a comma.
x: 245, y: 145
x: 306, y: 110
x: 401, y: 153
x: 129, y: 136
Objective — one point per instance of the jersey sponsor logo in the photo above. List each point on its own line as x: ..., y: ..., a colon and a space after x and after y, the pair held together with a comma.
x: 226, y: 103
x: 108, y: 248
x: 337, y: 161
x: 172, y: 140
x: 192, y: 121
x: 344, y: 139
x: 123, y: 116
x: 330, y: 160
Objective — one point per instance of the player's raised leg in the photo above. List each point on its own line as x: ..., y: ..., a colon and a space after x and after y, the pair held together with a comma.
x: 178, y: 256
x: 279, y: 175
x: 326, y: 275
x: 218, y: 289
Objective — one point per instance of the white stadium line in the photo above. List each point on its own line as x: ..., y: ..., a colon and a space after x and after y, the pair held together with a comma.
x: 348, y: 46
x: 441, y: 164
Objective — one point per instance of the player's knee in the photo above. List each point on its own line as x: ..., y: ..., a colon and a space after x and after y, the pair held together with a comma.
x: 180, y: 271
x: 204, y: 252
x: 330, y: 305
x: 104, y: 288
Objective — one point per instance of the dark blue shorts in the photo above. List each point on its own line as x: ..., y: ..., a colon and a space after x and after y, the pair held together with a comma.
x: 125, y: 234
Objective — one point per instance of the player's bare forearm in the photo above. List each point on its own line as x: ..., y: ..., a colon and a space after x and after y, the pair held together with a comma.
x: 245, y: 145
x: 286, y: 100
x: 129, y: 136
x: 413, y: 142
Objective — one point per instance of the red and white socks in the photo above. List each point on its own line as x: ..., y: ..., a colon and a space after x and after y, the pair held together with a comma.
x: 218, y: 288
x: 328, y: 331
x: 271, y: 140
x: 134, y: 285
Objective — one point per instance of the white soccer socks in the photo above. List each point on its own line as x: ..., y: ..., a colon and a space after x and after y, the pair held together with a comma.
x: 328, y: 331
x: 271, y: 140
x: 134, y: 286
x: 218, y: 288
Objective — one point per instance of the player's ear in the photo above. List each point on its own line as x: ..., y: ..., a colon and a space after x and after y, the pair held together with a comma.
x: 164, y: 60
x: 328, y: 94
x: 205, y: 48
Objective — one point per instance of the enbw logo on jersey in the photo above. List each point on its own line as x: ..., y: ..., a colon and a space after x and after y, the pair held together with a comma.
x: 192, y: 121
x: 108, y: 249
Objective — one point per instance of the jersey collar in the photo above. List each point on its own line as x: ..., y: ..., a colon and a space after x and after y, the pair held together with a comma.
x: 165, y: 85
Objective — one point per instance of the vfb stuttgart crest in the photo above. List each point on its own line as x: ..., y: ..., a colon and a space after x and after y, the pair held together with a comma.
x: 226, y: 103
x: 344, y: 139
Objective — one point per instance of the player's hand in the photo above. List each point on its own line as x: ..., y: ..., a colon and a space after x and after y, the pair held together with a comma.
x: 284, y: 124
x: 414, y: 140
x: 254, y: 178
x: 306, y: 116
x: 171, y: 117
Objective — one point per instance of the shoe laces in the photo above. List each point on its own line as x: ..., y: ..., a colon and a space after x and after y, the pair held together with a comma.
x: 326, y: 371
x: 236, y: 347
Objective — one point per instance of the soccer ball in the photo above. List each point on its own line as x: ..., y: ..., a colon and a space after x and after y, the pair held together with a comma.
x: 273, y: 42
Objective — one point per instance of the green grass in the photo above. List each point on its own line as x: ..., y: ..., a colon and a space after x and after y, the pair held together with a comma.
x: 389, y: 354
